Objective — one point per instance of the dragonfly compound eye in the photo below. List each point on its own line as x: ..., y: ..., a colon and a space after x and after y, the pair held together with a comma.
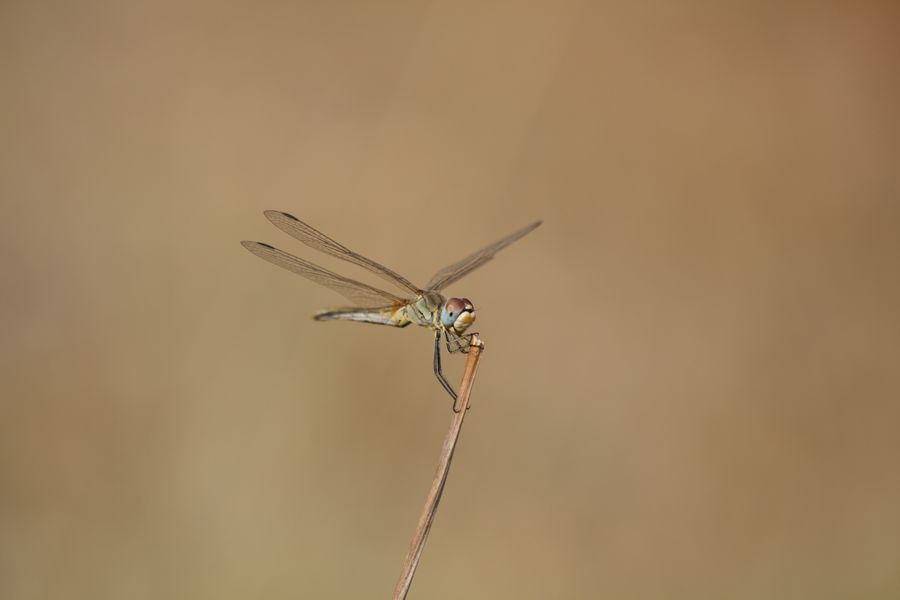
x: 458, y: 314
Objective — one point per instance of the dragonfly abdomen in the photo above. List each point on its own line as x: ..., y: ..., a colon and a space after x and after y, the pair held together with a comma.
x: 387, y: 315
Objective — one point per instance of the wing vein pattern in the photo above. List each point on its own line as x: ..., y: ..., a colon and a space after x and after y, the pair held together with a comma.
x: 362, y: 294
x: 317, y: 240
x: 461, y: 268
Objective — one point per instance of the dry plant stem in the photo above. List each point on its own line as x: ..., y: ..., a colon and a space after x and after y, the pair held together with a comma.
x: 417, y: 545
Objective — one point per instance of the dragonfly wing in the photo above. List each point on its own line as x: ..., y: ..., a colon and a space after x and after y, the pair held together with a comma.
x: 317, y: 240
x: 362, y: 294
x: 459, y: 269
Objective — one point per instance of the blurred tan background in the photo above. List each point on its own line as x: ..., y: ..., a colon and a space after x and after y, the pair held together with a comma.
x: 692, y: 380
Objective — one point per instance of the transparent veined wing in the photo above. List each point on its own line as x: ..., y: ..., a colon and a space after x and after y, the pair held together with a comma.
x: 361, y: 294
x: 461, y: 268
x: 317, y: 240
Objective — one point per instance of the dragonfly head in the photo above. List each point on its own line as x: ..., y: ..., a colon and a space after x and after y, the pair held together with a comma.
x: 457, y: 314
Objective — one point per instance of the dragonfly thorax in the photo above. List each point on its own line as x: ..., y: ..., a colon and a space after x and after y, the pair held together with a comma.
x: 457, y: 314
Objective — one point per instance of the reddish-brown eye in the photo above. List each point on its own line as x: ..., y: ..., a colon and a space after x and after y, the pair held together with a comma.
x: 454, y: 305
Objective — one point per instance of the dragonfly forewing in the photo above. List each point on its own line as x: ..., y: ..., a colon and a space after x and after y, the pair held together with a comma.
x: 463, y: 267
x: 362, y: 294
x: 317, y: 240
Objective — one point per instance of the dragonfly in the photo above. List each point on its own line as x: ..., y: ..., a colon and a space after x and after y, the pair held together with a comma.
x: 448, y: 318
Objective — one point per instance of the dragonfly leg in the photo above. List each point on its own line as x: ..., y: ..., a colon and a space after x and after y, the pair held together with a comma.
x: 438, y: 372
x: 461, y: 343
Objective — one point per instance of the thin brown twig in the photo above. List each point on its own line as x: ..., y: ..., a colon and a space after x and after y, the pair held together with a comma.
x: 417, y: 545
